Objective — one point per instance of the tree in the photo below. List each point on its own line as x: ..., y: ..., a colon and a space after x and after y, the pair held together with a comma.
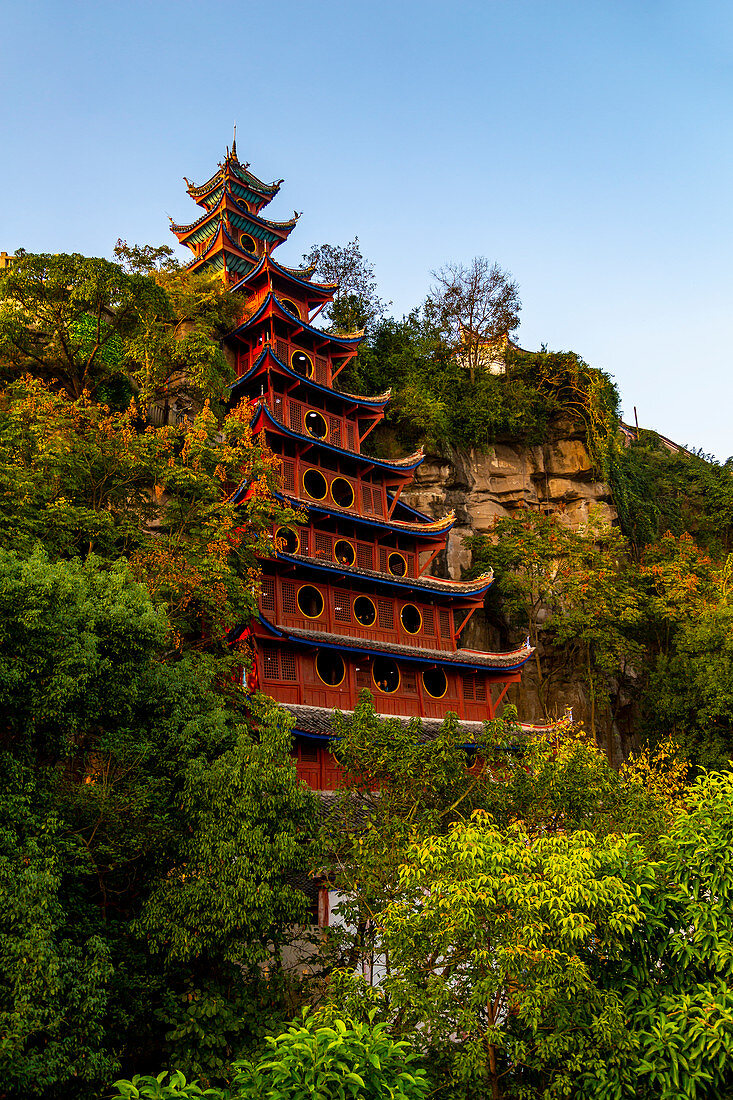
x: 176, y: 356
x: 67, y: 318
x: 356, y: 305
x: 496, y: 938
x: 575, y: 592
x: 476, y: 306
x: 80, y: 478
x: 674, y: 978
x: 350, y: 1059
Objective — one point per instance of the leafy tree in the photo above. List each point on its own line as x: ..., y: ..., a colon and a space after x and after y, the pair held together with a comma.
x: 350, y: 1060
x: 66, y: 318
x: 177, y: 354
x: 496, y: 938
x: 82, y: 479
x: 356, y: 305
x: 476, y: 306
x: 574, y: 591
x: 398, y: 784
x: 675, y: 975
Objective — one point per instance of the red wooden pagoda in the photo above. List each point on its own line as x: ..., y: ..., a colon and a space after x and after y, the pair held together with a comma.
x: 347, y: 601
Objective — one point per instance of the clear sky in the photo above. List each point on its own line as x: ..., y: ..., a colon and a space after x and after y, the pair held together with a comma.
x: 585, y: 146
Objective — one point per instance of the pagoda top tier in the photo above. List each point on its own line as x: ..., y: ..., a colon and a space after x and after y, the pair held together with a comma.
x: 231, y: 236
x: 235, y: 176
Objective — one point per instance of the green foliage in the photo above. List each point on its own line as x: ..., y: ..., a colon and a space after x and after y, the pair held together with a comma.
x: 351, y: 1060
x: 356, y: 304
x: 176, y: 1087
x: 657, y: 490
x: 435, y: 401
x: 496, y: 938
x: 55, y: 981
x: 81, y: 479
x: 67, y: 317
x: 228, y: 901
x: 675, y: 977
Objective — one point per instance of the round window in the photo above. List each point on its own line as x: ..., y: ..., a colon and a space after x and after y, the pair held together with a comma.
x: 315, y: 484
x: 248, y: 243
x: 290, y: 306
x: 344, y: 553
x: 411, y: 618
x: 330, y: 667
x: 301, y: 363
x: 364, y: 611
x: 397, y: 564
x: 315, y: 424
x: 287, y: 541
x: 435, y: 682
x: 310, y: 601
x: 342, y: 492
x: 386, y: 675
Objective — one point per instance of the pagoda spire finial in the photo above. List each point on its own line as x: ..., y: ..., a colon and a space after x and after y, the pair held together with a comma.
x: 234, y: 143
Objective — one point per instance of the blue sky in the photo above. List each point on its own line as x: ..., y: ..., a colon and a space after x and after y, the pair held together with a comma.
x: 584, y: 145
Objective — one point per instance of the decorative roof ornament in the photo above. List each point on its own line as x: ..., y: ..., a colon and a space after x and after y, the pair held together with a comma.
x: 234, y: 143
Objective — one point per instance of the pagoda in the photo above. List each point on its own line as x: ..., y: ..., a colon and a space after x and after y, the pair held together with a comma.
x: 347, y: 600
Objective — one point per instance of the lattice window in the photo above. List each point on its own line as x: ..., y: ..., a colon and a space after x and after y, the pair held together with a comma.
x: 382, y: 560
x: 322, y: 371
x: 468, y: 692
x: 409, y: 683
x: 267, y: 599
x: 385, y: 610
x: 444, y: 617
x: 287, y: 665
x: 288, y: 475
x: 281, y: 351
x: 270, y: 664
x: 480, y: 690
x: 342, y: 606
x: 428, y: 620
x: 290, y: 606
x: 366, y: 498
x: 296, y: 416
x: 377, y: 503
x: 410, y: 562
x: 324, y: 545
x: 334, y: 428
x: 304, y: 536
x: 308, y: 752
x: 364, y: 556
x: 350, y: 437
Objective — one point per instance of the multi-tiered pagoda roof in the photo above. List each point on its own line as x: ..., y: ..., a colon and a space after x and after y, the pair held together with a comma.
x: 347, y: 598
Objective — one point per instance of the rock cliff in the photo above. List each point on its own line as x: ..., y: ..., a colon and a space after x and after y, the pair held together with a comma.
x: 556, y: 477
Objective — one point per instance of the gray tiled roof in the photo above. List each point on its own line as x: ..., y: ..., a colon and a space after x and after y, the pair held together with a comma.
x: 461, y: 588
x: 470, y: 657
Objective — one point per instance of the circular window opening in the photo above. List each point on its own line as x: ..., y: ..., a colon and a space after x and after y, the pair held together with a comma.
x: 248, y: 243
x: 435, y: 682
x: 342, y: 492
x: 397, y: 565
x: 411, y: 618
x: 302, y: 364
x: 310, y: 601
x: 330, y: 667
x: 315, y: 424
x: 344, y: 553
x: 386, y: 675
x: 364, y: 611
x: 315, y: 484
x: 287, y: 541
x: 290, y: 306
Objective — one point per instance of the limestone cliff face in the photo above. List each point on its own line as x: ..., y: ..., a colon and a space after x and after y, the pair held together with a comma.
x: 557, y: 477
